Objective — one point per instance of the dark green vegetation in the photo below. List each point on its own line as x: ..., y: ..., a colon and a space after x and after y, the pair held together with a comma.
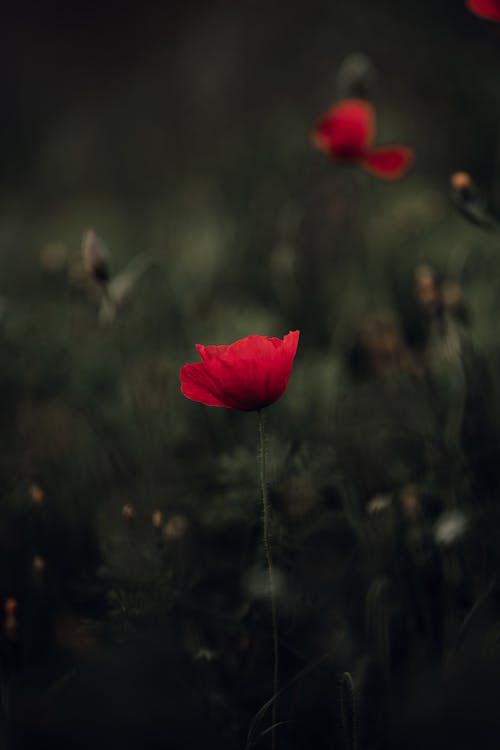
x: 184, y: 134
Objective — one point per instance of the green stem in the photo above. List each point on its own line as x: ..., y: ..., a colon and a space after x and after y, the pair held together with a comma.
x: 270, y: 567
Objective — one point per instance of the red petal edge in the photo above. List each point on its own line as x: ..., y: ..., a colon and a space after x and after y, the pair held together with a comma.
x: 488, y: 9
x: 198, y: 386
x: 389, y: 163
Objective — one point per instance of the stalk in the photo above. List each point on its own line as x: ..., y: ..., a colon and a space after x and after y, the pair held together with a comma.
x: 266, y: 516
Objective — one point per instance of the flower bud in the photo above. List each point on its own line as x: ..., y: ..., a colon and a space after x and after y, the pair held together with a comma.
x: 128, y: 513
x: 461, y: 182
x: 37, y: 494
x: 427, y: 286
x: 157, y: 519
x: 95, y: 257
x: 470, y: 203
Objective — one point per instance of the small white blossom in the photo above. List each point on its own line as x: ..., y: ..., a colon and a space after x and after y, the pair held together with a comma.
x: 205, y: 654
x: 450, y: 527
x: 378, y: 503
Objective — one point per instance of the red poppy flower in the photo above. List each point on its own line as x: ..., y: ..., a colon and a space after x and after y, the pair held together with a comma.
x: 489, y: 9
x: 347, y: 131
x: 248, y: 375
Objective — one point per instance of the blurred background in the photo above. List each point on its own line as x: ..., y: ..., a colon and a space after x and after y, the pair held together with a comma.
x: 133, y: 593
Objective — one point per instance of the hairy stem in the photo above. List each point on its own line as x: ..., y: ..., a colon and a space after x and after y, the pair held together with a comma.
x: 267, y: 547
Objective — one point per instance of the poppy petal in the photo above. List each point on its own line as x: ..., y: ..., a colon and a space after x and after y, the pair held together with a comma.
x: 207, y: 352
x: 247, y: 375
x: 346, y: 130
x: 488, y: 9
x: 198, y: 385
x: 253, y: 372
x: 390, y: 162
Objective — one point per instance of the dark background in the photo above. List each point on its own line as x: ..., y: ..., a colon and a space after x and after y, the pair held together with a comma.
x: 182, y: 131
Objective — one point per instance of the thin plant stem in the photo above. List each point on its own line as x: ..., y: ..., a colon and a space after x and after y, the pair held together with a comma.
x: 267, y: 547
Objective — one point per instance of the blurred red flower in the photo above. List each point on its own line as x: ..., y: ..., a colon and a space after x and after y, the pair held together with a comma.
x: 248, y: 375
x: 489, y: 9
x: 347, y: 131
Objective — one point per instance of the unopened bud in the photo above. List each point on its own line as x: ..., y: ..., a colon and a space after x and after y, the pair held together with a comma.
x: 95, y: 257
x: 157, y: 519
x: 461, y: 181
x: 37, y: 494
x: 128, y: 513
x: 427, y: 286
x: 469, y: 201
